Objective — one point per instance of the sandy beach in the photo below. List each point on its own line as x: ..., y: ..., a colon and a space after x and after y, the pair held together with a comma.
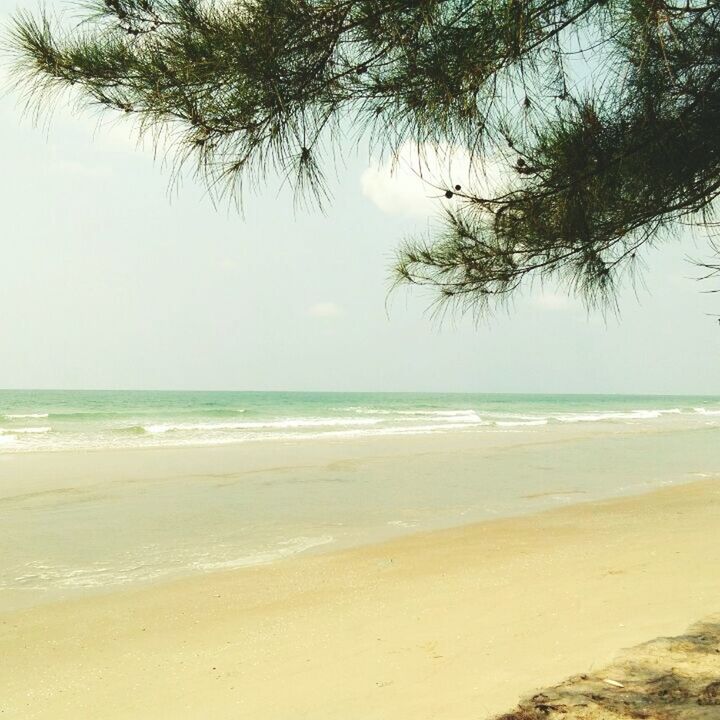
x: 448, y: 624
x: 361, y: 360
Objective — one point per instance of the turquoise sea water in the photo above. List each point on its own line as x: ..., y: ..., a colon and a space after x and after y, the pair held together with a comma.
x: 32, y: 420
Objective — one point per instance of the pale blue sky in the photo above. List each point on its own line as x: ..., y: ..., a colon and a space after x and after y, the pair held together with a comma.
x: 108, y: 281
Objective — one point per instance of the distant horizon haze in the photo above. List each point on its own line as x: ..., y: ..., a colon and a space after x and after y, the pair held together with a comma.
x: 358, y: 391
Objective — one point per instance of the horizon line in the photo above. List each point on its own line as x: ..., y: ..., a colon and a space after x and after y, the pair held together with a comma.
x: 361, y: 392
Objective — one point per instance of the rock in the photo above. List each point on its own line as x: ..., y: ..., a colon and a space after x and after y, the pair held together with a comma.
x: 711, y: 694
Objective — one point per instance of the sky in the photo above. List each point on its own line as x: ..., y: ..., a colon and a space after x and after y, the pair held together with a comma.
x: 109, y: 278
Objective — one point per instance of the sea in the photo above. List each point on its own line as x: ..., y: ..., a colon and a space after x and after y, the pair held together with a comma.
x: 49, y: 420
x: 101, y: 491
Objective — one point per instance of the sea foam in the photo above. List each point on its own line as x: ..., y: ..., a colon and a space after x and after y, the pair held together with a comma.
x: 270, y: 425
x: 26, y: 415
x: 599, y: 416
x: 284, y: 548
x: 26, y: 430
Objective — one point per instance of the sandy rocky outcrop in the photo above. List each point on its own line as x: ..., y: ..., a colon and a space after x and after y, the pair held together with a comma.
x: 675, y: 678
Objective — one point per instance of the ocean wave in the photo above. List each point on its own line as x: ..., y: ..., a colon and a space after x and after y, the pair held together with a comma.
x: 24, y: 431
x: 615, y: 415
x: 381, y: 431
x: 285, y: 548
x: 43, y: 575
x: 130, y: 430
x: 178, y: 427
x: 510, y: 419
x: 222, y: 412
x: 200, y: 439
x: 40, y: 576
x: 26, y: 415
x: 284, y: 424
x: 451, y: 415
x: 438, y: 413
x: 361, y: 410
x: 705, y: 411
x: 88, y: 414
x: 136, y: 413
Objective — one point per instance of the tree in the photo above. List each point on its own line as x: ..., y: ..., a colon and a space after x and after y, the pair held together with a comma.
x: 606, y: 112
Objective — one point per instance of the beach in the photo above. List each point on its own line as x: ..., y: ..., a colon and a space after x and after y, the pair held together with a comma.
x: 78, y: 522
x: 277, y: 556
x: 454, y: 623
x: 399, y: 400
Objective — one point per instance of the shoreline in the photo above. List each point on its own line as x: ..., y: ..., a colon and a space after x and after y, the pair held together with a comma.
x: 452, y: 623
x: 93, y: 523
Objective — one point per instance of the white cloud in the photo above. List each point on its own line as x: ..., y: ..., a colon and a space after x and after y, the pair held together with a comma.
x: 325, y: 310
x: 413, y: 181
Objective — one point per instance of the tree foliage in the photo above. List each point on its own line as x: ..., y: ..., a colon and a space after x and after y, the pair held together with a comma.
x: 606, y: 112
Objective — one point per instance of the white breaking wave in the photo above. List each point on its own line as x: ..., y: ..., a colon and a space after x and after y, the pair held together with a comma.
x: 510, y: 419
x: 514, y: 416
x: 520, y: 423
x: 27, y: 430
x: 451, y: 414
x: 352, y: 422
x: 270, y: 425
x: 28, y: 415
x: 40, y: 576
x: 319, y: 433
x: 632, y: 415
x: 705, y: 411
x: 388, y: 430
x: 454, y: 414
x: 285, y: 548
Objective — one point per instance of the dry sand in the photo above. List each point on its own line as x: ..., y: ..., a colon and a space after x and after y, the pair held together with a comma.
x: 452, y: 624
